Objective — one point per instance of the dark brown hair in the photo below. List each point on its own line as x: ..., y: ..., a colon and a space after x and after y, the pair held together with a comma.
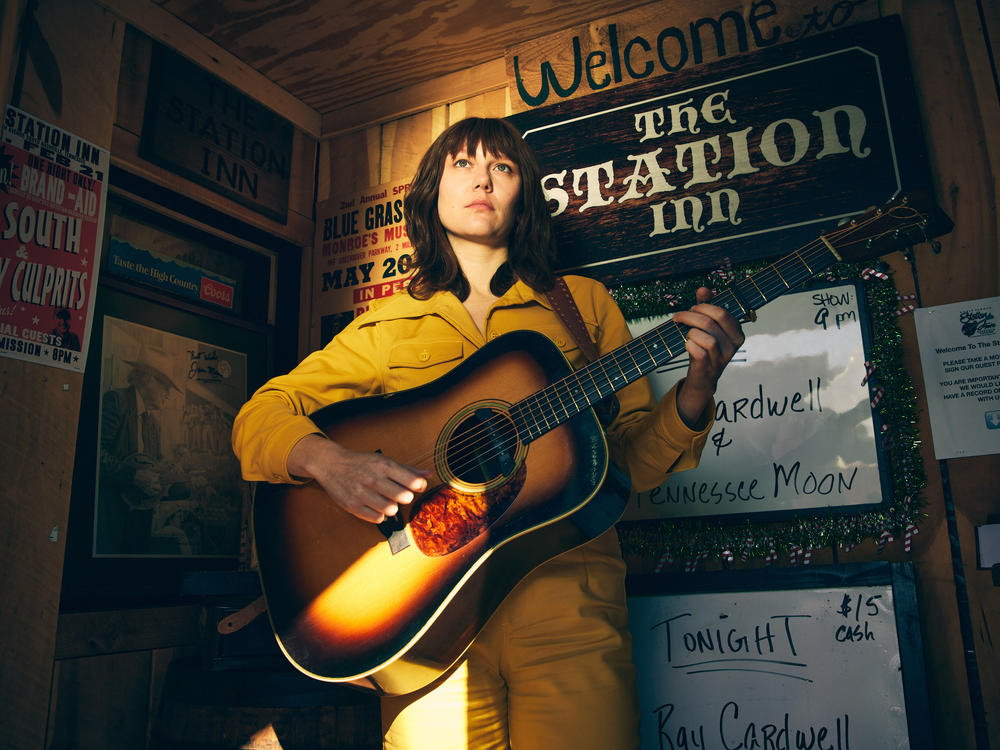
x: 531, y: 246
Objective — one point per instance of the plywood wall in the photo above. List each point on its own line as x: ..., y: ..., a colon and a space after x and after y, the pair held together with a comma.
x: 381, y: 141
x: 101, y: 696
x: 40, y: 406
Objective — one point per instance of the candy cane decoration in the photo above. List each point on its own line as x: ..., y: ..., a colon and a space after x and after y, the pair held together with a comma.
x: 911, y: 531
x: 877, y: 393
x: 869, y: 371
x: 903, y: 304
x: 664, y: 559
x: 870, y: 273
x: 883, y: 540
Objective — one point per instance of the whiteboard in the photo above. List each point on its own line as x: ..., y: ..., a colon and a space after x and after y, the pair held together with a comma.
x: 794, y: 427
x: 782, y: 668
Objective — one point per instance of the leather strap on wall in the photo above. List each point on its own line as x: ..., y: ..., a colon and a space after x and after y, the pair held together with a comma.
x: 239, y: 620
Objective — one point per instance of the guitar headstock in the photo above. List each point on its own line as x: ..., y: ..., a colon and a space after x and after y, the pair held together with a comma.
x: 901, y: 223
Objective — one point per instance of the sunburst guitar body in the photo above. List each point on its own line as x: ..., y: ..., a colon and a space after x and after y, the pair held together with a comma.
x: 376, y: 604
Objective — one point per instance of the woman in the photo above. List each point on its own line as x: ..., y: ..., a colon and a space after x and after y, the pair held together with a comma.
x: 553, y: 667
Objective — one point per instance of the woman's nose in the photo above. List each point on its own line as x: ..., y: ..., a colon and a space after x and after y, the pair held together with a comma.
x: 483, y: 180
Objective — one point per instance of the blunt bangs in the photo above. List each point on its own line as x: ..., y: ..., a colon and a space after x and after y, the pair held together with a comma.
x: 498, y: 137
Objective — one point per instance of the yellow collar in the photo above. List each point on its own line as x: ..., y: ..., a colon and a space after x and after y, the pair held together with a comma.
x: 402, y: 305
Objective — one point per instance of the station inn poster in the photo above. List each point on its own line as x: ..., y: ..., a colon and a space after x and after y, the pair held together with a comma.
x: 53, y: 189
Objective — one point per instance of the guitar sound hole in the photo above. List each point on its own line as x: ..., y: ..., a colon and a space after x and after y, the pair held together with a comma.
x: 482, y: 447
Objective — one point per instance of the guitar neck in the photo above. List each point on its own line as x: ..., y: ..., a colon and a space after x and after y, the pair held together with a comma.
x: 565, y: 398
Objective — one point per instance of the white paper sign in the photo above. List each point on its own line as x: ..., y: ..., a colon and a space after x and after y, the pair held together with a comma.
x: 960, y: 356
x: 793, y: 428
x: 814, y: 668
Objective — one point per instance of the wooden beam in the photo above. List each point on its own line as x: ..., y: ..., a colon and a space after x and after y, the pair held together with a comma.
x: 110, y: 632
x: 298, y: 229
x: 157, y: 23
x: 979, y: 24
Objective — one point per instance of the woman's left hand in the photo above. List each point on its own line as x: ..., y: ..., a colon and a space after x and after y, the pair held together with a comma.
x: 714, y: 337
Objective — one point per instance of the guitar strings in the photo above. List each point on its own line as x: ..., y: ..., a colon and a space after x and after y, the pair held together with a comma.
x: 531, y: 406
x: 531, y: 410
x: 566, y: 387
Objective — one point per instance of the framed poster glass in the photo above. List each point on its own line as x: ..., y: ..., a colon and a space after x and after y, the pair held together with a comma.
x: 157, y: 492
x: 168, y: 484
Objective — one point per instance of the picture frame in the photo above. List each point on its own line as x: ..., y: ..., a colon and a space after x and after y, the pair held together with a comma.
x: 151, y: 507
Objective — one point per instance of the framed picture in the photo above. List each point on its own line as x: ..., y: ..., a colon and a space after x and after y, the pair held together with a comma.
x: 167, y: 482
x: 157, y: 491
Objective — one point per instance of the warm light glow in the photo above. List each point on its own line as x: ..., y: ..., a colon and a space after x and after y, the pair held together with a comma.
x: 365, y: 598
x: 265, y: 737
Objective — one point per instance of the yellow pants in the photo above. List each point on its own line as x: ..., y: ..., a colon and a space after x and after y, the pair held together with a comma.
x: 552, y: 669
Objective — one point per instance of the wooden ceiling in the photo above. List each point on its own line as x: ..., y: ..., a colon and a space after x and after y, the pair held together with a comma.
x: 335, y: 54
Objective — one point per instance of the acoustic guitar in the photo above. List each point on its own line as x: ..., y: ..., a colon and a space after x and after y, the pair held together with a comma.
x: 520, y: 474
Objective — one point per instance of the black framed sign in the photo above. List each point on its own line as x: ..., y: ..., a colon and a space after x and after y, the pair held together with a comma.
x: 829, y: 656
x: 156, y: 489
x: 742, y: 159
x: 204, y: 129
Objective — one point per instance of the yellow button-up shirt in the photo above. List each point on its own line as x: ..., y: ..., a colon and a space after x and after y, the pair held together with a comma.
x: 403, y: 342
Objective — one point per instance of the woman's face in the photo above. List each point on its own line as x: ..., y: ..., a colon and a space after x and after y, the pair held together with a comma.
x: 477, y: 198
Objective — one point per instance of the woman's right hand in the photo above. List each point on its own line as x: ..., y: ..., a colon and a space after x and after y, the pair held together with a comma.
x: 369, y: 486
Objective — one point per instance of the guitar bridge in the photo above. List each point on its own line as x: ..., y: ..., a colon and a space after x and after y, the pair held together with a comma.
x: 394, y: 531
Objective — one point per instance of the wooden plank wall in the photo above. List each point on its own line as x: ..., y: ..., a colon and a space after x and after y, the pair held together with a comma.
x: 90, y: 681
x: 103, y: 666
x: 40, y: 406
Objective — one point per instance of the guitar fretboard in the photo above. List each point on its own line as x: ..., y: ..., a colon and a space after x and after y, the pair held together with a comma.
x: 565, y: 398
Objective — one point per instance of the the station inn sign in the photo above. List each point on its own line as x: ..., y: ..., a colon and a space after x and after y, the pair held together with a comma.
x: 747, y: 158
x: 204, y: 129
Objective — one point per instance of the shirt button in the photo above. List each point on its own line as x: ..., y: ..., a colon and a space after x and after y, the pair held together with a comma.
x: 560, y: 342
x: 493, y: 335
x: 425, y: 355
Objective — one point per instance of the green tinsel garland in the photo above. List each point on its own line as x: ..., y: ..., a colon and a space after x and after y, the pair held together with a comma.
x: 696, y: 540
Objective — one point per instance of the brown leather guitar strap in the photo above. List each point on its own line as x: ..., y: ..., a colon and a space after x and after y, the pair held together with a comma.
x: 565, y: 307
x: 567, y: 310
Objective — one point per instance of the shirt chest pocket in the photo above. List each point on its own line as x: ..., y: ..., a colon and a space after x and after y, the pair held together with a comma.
x: 566, y: 343
x: 413, y: 363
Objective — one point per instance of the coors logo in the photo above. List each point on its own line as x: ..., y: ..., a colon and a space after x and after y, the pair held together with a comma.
x: 216, y: 292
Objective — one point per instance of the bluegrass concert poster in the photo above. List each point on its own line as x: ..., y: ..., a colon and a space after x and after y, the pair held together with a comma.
x: 362, y: 254
x: 53, y: 186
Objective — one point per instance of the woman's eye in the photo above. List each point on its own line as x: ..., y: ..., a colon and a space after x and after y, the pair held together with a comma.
x: 461, y: 162
x: 505, y: 168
